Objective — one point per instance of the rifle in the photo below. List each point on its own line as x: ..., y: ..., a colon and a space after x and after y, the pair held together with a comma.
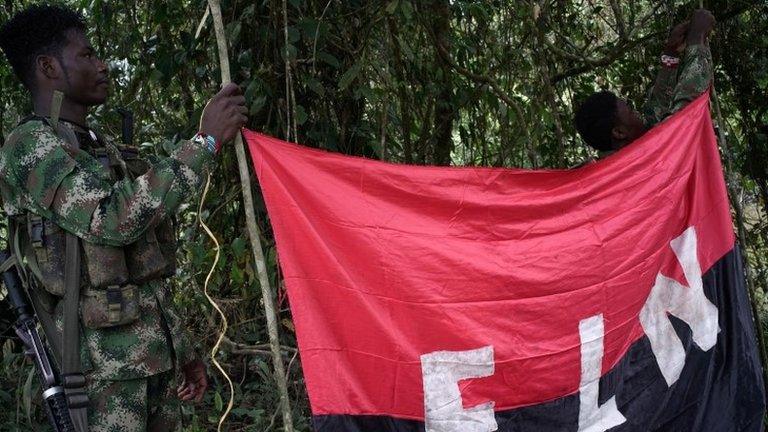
x: 127, y: 125
x: 55, y: 402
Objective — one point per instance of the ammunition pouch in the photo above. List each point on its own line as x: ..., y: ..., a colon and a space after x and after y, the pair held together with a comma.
x: 110, y: 307
x: 145, y: 258
x: 109, y: 295
x: 47, y: 242
x: 105, y: 265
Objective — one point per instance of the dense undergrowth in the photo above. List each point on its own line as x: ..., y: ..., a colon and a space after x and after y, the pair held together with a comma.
x: 426, y: 82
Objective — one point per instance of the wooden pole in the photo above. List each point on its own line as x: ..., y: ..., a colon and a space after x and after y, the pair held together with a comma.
x: 253, y: 231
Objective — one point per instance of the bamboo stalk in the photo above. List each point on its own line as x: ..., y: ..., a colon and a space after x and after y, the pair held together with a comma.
x: 253, y: 232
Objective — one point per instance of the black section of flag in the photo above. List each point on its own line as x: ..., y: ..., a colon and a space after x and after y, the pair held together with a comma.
x: 720, y: 390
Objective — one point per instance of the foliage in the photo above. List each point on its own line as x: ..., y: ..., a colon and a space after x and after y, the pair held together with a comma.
x: 427, y: 82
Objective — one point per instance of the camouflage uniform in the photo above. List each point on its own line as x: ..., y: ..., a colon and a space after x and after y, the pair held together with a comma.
x: 676, y: 87
x: 131, y: 365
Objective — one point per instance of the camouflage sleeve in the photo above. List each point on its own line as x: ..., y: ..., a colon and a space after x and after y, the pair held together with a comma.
x: 660, y: 96
x: 184, y: 347
x: 694, y: 78
x: 57, y: 184
x: 675, y: 88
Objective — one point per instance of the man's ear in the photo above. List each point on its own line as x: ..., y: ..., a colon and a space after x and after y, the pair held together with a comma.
x: 49, y: 66
x: 619, y: 133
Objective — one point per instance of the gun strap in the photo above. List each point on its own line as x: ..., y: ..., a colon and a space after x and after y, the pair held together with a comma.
x: 58, y: 99
x: 45, y: 318
x: 8, y: 263
x: 72, y: 376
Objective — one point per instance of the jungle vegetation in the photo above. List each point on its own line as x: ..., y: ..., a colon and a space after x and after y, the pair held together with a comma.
x: 438, y: 82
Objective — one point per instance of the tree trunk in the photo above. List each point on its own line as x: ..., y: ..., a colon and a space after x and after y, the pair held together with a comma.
x: 442, y: 123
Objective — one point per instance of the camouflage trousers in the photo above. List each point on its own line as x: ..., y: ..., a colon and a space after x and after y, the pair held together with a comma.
x: 144, y: 404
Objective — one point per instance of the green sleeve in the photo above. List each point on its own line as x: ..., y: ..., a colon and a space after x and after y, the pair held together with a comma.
x: 59, y: 183
x: 675, y: 88
x: 694, y: 78
x: 660, y: 96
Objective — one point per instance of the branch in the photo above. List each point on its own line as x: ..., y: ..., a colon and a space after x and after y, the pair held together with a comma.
x: 617, y: 14
x: 605, y: 61
x: 624, y: 46
x: 484, y: 79
x: 241, y: 348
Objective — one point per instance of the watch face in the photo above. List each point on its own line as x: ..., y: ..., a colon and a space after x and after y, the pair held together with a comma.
x: 206, y: 141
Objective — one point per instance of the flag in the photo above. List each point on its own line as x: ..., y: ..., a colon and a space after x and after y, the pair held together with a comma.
x: 465, y: 299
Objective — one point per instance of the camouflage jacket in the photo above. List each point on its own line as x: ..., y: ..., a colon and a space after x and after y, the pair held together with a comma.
x: 675, y: 88
x: 40, y: 173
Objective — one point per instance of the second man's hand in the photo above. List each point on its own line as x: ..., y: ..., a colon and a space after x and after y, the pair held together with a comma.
x: 675, y: 43
x: 702, y: 23
x: 224, y: 114
x: 194, y: 382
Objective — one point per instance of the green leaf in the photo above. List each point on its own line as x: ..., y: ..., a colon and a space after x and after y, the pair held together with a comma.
x: 257, y: 105
x: 238, y: 247
x: 328, y: 59
x: 218, y: 402
x: 407, y: 9
x: 234, y: 33
x: 349, y: 76
x: 309, y: 26
x: 293, y: 35
x: 26, y: 394
x: 253, y: 86
x: 301, y: 115
x: 391, y: 7
x: 236, y: 275
x: 155, y: 75
x: 316, y: 87
x: 245, y: 58
x: 289, y: 50
x: 266, y: 372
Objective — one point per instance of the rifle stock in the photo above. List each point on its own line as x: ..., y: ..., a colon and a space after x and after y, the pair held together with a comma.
x: 54, y: 400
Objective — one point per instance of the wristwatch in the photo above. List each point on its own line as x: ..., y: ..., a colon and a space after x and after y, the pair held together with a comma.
x: 670, y: 61
x: 207, y: 141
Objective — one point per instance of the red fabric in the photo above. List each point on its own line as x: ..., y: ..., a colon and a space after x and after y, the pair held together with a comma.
x: 385, y: 262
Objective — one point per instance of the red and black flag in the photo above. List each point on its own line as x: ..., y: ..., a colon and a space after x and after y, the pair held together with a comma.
x: 609, y: 297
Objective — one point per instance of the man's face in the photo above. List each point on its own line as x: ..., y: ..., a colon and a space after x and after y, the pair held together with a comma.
x: 629, y: 124
x: 87, y: 82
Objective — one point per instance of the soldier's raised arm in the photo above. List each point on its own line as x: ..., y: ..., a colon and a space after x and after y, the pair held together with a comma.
x: 696, y: 73
x: 60, y: 183
x: 660, y: 95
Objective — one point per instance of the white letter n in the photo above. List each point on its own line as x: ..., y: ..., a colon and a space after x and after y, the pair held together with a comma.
x: 687, y: 303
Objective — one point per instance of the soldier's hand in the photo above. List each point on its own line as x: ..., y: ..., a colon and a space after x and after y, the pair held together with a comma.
x: 702, y: 23
x: 224, y: 114
x: 194, y: 382
x: 675, y: 43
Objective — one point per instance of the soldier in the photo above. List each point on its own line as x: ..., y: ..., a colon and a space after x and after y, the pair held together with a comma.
x: 64, y: 184
x: 607, y: 123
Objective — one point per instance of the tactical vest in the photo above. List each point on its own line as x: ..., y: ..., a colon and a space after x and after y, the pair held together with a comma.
x: 110, y: 277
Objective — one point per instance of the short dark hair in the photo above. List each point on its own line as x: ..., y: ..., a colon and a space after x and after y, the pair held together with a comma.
x: 37, y: 30
x: 595, y: 119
